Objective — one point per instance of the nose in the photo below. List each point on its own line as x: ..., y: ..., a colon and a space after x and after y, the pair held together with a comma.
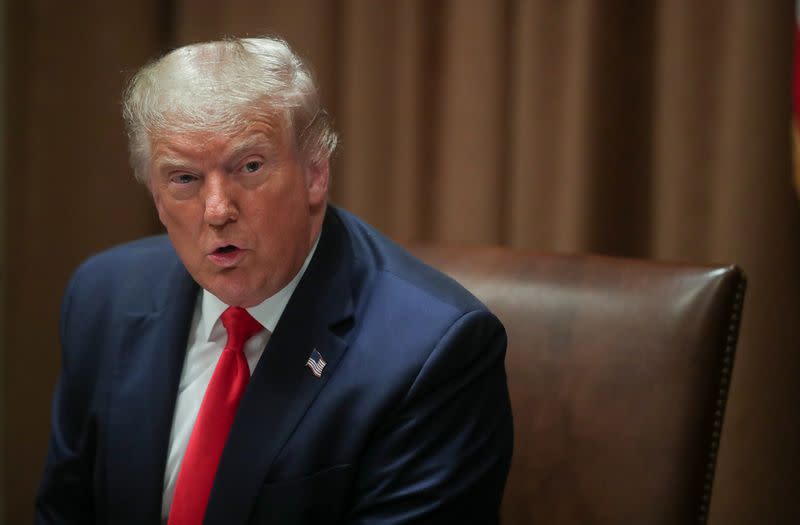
x: 220, y: 203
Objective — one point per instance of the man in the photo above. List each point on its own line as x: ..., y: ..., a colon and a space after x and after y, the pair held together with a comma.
x: 275, y: 360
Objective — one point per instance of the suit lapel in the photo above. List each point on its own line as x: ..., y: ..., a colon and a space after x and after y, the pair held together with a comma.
x: 282, y: 388
x: 152, y: 349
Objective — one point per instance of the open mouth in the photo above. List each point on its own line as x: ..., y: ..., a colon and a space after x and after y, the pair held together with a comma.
x: 226, y: 256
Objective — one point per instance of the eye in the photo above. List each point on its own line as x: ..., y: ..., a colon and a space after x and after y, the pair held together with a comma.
x: 253, y: 166
x: 182, y: 178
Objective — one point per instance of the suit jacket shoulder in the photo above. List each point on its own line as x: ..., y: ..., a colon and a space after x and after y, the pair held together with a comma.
x: 133, y: 271
x: 374, y: 250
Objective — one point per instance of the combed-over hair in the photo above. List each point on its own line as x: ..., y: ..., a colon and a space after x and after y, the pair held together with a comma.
x: 222, y: 87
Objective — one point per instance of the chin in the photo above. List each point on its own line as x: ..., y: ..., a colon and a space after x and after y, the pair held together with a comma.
x: 227, y: 290
x: 240, y: 294
x: 235, y: 297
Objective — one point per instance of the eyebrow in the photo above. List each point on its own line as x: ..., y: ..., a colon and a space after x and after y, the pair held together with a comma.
x: 170, y: 163
x: 249, y: 143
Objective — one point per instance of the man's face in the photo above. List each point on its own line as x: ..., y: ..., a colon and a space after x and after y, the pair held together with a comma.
x: 241, y: 210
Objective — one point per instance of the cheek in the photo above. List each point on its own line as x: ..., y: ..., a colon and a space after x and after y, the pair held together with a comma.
x: 178, y: 218
x: 286, y: 204
x: 282, y: 225
x: 162, y: 214
x: 166, y: 214
x: 157, y: 203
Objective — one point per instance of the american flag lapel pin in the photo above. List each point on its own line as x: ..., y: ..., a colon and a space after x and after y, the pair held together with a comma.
x: 316, y: 363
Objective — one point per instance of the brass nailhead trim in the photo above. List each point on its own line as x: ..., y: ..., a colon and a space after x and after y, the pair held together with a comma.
x: 722, y: 395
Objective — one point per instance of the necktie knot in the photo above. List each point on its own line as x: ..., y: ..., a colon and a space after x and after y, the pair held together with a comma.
x: 240, y: 326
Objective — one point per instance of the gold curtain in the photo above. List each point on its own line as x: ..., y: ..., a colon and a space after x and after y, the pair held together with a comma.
x: 646, y: 129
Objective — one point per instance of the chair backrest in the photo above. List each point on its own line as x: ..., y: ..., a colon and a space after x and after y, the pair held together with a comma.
x: 618, y: 373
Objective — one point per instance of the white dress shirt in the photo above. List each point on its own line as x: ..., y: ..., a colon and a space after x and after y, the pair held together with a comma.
x: 207, y: 337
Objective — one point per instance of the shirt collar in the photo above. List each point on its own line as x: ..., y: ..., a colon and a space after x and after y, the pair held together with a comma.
x: 268, y: 312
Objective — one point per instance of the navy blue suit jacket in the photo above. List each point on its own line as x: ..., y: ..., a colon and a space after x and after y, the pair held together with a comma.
x: 409, y: 423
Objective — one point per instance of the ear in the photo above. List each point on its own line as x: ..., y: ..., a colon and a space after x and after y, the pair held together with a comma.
x: 317, y: 178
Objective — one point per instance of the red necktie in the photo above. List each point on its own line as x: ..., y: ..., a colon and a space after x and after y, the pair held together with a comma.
x: 214, y: 420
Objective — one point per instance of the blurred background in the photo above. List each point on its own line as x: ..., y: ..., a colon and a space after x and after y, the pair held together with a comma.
x: 654, y: 129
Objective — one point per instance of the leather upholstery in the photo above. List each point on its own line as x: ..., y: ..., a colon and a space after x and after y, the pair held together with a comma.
x: 618, y: 373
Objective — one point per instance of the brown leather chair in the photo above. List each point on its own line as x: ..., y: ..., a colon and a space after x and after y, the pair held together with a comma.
x: 618, y: 372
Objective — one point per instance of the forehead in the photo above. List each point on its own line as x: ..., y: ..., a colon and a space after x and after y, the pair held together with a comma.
x: 180, y: 141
